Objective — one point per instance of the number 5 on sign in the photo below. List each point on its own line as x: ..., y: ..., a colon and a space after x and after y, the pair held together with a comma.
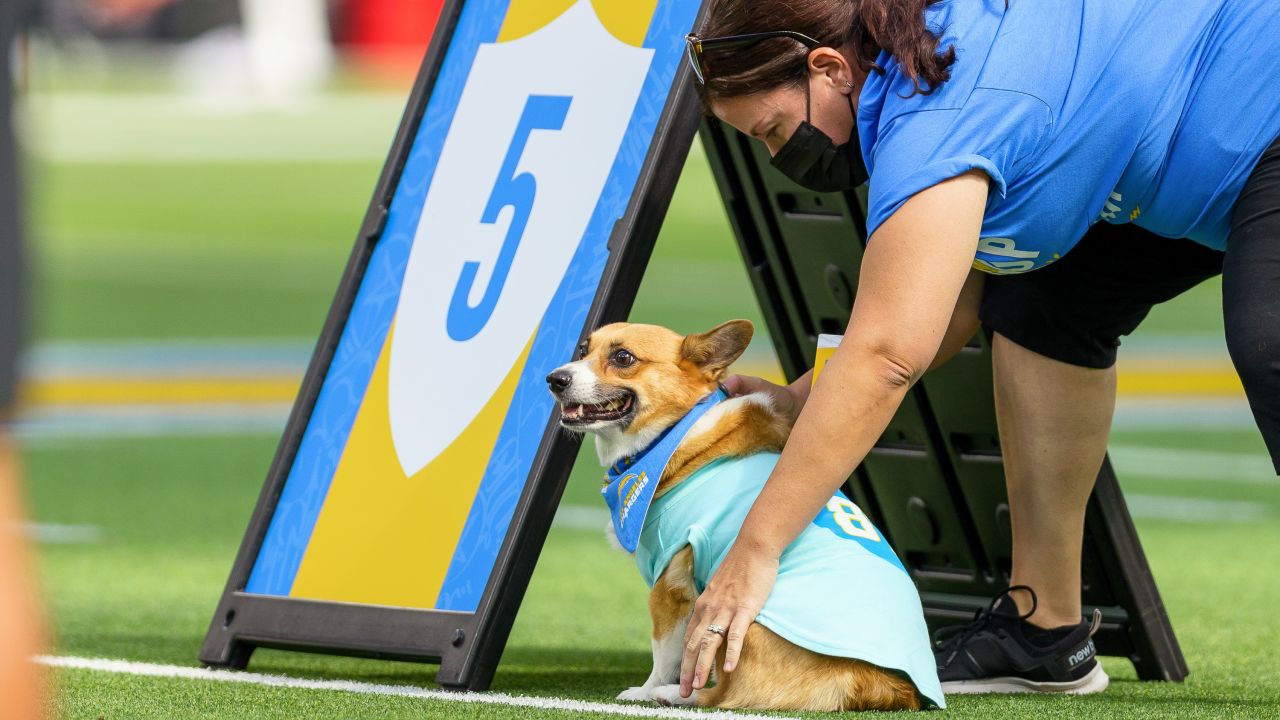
x: 527, y: 154
x: 512, y: 190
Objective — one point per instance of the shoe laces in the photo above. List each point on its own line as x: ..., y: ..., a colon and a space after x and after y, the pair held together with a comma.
x: 955, y: 636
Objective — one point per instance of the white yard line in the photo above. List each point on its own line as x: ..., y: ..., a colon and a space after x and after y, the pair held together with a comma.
x: 471, y: 698
x: 1142, y: 506
x: 1203, y: 466
x: 62, y: 534
x: 168, y: 358
x: 168, y: 128
x: 1182, y: 412
x: 50, y: 427
x: 146, y: 128
x: 1194, y: 510
x: 582, y: 517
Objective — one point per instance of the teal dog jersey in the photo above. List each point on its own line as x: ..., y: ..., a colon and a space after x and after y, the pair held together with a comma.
x: 841, y: 590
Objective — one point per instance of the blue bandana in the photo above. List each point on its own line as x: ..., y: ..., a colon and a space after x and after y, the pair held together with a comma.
x: 630, y: 484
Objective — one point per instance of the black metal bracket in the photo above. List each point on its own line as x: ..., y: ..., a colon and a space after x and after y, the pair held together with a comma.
x: 935, y: 481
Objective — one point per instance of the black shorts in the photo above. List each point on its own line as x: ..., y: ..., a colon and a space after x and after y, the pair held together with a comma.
x: 1076, y: 309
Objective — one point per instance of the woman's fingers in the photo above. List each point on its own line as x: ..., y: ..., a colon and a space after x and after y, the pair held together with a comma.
x: 736, y: 385
x: 784, y: 398
x: 700, y: 652
x: 690, y: 656
x: 707, y: 648
x: 737, y: 633
x: 747, y: 384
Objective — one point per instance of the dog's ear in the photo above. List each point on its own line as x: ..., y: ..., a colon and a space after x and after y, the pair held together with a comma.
x: 717, y: 348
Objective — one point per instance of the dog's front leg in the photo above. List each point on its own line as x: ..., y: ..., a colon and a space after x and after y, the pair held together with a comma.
x: 667, y: 652
x: 670, y: 606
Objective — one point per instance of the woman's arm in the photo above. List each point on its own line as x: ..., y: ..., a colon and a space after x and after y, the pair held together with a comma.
x: 790, y: 399
x: 964, y: 319
x: 911, y: 278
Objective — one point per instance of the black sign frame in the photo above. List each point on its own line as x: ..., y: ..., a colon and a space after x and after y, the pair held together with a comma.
x: 468, y: 646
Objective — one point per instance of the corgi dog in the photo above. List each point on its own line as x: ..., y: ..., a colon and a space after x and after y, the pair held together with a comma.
x: 859, y: 644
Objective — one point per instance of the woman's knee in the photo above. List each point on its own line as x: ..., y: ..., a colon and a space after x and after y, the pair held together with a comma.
x: 1253, y: 340
x: 1251, y: 279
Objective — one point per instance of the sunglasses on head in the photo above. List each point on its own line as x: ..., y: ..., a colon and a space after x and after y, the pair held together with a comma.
x: 696, y: 46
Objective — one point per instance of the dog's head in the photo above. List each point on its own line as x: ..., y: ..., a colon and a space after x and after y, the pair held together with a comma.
x: 629, y: 382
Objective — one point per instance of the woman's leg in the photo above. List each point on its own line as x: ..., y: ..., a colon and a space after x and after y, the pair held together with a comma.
x: 1054, y: 419
x: 1251, y: 295
x: 1057, y: 333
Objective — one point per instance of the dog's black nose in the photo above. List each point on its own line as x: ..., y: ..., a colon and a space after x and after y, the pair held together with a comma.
x: 559, y: 380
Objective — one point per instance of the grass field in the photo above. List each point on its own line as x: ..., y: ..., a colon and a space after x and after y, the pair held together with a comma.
x: 199, y: 242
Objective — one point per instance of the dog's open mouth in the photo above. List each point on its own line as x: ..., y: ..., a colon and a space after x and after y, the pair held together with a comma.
x: 607, y: 411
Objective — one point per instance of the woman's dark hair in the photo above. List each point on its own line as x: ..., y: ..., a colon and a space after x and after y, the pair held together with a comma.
x: 867, y: 26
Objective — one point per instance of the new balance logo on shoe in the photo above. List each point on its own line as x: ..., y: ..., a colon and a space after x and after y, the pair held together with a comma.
x: 1082, y: 654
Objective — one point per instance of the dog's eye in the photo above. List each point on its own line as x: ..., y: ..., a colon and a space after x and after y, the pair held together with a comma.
x: 582, y: 350
x: 623, y: 358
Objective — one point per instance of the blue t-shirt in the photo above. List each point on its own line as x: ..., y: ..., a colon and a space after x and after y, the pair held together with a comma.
x: 1145, y: 111
x: 840, y: 591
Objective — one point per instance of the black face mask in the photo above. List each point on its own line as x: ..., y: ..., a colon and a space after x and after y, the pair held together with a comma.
x: 813, y: 160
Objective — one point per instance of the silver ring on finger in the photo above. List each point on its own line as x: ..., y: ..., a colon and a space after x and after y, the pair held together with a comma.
x: 717, y: 629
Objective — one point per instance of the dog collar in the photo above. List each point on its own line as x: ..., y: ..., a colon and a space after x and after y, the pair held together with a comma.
x: 630, y: 484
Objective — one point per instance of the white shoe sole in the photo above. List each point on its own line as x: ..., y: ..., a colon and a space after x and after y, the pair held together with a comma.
x: 1094, y: 682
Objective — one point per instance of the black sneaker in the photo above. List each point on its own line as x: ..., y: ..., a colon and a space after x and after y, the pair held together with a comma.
x: 999, y: 652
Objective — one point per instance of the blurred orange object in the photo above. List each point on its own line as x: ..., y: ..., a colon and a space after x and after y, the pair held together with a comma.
x: 117, y: 13
x: 21, y: 634
x: 388, y: 36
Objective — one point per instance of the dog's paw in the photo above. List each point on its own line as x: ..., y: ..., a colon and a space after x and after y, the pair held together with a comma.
x: 611, y: 536
x: 636, y: 694
x: 670, y: 695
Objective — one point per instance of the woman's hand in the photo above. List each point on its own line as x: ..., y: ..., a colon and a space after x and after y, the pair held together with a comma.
x: 910, y: 283
x: 788, y: 400
x: 732, y: 600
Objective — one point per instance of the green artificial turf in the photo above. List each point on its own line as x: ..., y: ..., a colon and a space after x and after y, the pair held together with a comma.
x: 211, y: 250
x: 235, y: 250
x: 243, y: 250
x: 171, y: 511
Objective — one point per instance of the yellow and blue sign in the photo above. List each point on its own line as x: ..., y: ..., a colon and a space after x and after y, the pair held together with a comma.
x: 434, y: 405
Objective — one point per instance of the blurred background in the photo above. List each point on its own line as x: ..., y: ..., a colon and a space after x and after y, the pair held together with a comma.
x: 197, y: 171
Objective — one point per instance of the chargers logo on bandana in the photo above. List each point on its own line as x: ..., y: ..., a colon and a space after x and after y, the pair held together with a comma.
x: 631, y: 482
x: 630, y: 489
